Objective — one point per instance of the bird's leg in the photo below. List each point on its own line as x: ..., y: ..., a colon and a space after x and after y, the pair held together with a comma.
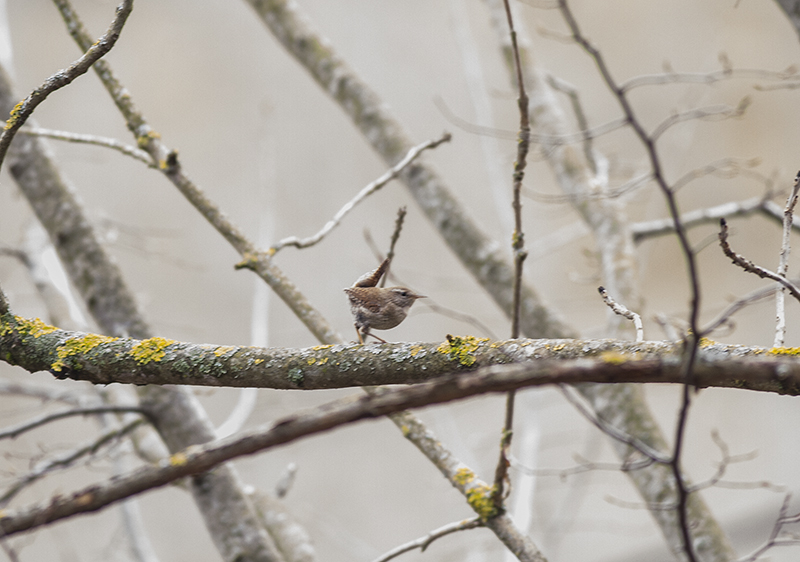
x: 358, y: 333
x: 376, y: 337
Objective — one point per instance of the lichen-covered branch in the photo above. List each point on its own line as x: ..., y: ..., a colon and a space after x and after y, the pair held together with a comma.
x: 158, y: 361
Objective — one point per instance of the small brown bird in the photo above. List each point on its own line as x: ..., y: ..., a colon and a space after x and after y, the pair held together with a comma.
x: 376, y: 307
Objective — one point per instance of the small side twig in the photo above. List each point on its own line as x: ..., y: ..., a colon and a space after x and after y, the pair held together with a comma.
x: 784, y: 518
x: 67, y: 459
x: 365, y: 192
x: 583, y: 466
x: 398, y: 228
x: 629, y: 440
x: 17, y: 430
x: 749, y: 266
x: 783, y: 266
x: 423, y: 542
x: 106, y: 142
x: 741, y: 303
x: 623, y: 311
x: 718, y: 112
x: 577, y: 108
x: 545, y: 139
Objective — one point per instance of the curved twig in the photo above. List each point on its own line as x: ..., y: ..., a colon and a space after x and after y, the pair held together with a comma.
x: 749, y: 266
x: 365, y: 192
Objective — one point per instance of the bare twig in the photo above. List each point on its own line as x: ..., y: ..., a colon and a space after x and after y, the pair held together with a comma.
x: 783, y: 266
x: 536, y: 138
x: 66, y: 459
x: 577, y: 108
x: 706, y: 77
x: 398, y: 228
x: 658, y: 227
x: 774, y: 538
x: 365, y: 192
x: 749, y: 266
x: 106, y: 142
x: 722, y: 466
x: 584, y: 466
x: 716, y: 112
x: 43, y: 393
x: 623, y: 311
x: 19, y: 429
x: 502, y: 485
x: 423, y: 542
x: 739, y: 304
x: 23, y: 110
x: 630, y: 440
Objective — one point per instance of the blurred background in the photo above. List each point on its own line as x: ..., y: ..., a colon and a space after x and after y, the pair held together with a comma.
x: 267, y: 145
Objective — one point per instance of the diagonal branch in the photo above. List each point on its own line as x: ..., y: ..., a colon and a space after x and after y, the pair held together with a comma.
x: 749, y: 266
x: 365, y: 192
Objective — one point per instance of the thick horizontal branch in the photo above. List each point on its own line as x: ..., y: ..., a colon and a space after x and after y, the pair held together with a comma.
x: 201, y: 458
x: 35, y: 346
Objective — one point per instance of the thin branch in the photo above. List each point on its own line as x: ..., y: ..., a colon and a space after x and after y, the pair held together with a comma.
x: 722, y: 466
x: 705, y: 77
x: 749, y: 266
x: 365, y: 192
x: 66, y: 460
x: 584, y: 466
x: 536, y: 138
x: 630, y: 440
x: 783, y: 266
x: 577, y: 108
x: 623, y: 311
x: 398, y: 228
x: 502, y: 485
x: 698, y: 217
x: 717, y: 112
x: 106, y: 142
x: 23, y: 110
x: 43, y: 393
x: 738, y: 304
x: 423, y: 542
x: 17, y: 430
x: 774, y: 537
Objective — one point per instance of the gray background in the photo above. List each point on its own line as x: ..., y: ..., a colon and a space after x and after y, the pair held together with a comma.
x: 279, y: 157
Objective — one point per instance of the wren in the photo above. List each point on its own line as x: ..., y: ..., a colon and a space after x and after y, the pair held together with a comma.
x: 376, y: 307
